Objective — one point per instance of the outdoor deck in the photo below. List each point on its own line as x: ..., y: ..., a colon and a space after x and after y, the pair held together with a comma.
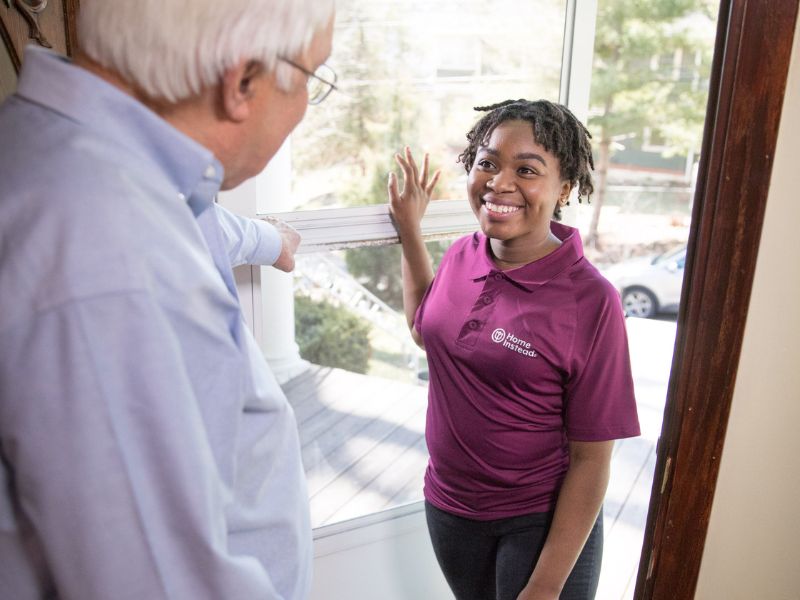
x: 364, y: 449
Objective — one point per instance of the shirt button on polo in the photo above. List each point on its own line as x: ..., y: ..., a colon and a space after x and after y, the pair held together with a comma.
x: 498, y: 276
x: 181, y: 197
x: 487, y: 300
x: 211, y: 172
x: 473, y: 324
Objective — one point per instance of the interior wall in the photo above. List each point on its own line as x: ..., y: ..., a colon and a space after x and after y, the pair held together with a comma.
x: 386, y: 556
x: 753, y: 544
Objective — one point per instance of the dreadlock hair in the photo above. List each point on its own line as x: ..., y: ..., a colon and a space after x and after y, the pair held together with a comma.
x: 554, y: 127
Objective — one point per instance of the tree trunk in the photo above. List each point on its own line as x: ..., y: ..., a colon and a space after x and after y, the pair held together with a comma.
x: 603, y: 156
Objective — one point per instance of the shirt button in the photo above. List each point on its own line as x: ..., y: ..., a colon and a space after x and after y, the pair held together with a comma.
x: 498, y: 276
x: 211, y: 172
x: 487, y: 300
x: 181, y: 197
x: 473, y: 324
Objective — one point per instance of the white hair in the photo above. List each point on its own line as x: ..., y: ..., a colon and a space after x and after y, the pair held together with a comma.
x: 172, y: 49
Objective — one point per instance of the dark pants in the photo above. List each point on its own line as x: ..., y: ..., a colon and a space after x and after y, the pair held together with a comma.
x: 488, y: 560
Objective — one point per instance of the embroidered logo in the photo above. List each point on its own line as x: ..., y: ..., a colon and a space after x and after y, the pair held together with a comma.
x: 513, y: 343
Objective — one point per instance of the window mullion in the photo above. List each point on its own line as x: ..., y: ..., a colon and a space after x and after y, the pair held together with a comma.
x: 576, y: 65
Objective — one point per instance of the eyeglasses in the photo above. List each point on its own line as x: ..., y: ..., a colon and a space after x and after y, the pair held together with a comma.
x: 320, y: 82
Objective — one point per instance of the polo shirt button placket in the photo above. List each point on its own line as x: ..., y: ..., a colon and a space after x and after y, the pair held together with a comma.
x: 469, y: 332
x: 481, y: 313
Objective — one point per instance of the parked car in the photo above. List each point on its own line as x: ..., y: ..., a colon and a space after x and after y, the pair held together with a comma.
x: 649, y: 285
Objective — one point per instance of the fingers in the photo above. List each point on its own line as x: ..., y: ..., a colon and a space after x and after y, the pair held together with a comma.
x: 284, y: 229
x: 413, y: 163
x: 423, y: 180
x: 412, y: 176
x: 432, y: 183
x: 410, y: 168
x: 391, y: 187
x: 290, y: 240
x: 408, y: 174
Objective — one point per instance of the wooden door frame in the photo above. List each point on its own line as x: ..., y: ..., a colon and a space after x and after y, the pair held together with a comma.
x: 14, y: 40
x: 751, y: 63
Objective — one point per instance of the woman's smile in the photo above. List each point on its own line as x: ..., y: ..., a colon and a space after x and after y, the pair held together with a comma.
x: 498, y: 209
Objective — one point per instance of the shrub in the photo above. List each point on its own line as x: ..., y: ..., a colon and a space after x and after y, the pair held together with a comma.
x: 331, y: 335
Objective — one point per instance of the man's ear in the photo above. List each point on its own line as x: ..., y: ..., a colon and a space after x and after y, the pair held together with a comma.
x: 238, y: 86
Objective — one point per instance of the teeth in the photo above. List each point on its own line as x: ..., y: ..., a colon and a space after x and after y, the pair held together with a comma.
x: 500, y: 208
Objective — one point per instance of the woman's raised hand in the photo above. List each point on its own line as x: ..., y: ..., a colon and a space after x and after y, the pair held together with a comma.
x: 407, y: 207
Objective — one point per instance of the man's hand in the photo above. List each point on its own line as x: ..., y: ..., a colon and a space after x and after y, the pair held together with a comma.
x: 290, y: 240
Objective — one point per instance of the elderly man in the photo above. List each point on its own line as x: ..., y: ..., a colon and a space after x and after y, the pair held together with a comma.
x: 146, y: 450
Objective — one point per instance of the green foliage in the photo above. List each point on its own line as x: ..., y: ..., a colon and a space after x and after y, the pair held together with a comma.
x: 373, y: 114
x: 635, y: 83
x: 410, y: 73
x: 331, y: 335
x: 651, y: 68
x: 378, y: 269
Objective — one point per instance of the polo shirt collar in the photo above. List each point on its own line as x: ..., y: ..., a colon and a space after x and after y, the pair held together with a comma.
x: 537, y: 273
x: 51, y: 80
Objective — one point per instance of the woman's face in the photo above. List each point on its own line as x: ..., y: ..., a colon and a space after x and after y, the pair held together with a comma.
x: 514, y: 186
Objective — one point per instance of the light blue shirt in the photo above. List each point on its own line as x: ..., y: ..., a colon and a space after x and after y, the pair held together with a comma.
x: 147, y: 450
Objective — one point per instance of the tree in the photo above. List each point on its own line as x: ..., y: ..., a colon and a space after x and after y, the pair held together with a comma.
x: 371, y: 113
x: 635, y: 83
x: 331, y: 335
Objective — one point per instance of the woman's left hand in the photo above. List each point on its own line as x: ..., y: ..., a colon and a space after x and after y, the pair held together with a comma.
x: 407, y: 207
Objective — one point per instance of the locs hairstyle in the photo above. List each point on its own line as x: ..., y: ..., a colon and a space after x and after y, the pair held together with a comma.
x: 554, y: 127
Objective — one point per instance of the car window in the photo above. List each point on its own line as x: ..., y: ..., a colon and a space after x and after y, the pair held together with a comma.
x: 678, y: 255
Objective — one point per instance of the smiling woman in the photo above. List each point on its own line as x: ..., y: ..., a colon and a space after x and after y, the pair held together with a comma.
x: 522, y: 415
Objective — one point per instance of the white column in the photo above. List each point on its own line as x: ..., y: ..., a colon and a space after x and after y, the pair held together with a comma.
x: 275, y: 294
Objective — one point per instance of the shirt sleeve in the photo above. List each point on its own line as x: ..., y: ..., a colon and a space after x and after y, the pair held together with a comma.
x: 248, y: 241
x: 599, y: 399
x: 109, y: 460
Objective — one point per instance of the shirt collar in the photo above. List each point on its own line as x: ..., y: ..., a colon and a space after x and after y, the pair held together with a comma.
x: 537, y: 273
x: 51, y: 80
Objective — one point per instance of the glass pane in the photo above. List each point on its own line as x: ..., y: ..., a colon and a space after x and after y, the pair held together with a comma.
x: 647, y: 109
x: 410, y: 74
x: 361, y: 407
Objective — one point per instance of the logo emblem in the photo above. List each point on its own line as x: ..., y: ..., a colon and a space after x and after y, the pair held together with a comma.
x: 498, y: 335
x: 513, y: 343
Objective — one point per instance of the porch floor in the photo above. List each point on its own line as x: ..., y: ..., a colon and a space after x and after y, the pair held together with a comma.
x: 364, y: 450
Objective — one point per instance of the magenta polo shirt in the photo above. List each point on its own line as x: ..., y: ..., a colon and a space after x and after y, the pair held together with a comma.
x: 521, y: 362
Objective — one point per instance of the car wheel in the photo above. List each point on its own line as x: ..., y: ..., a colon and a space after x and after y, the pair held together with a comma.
x: 639, y: 302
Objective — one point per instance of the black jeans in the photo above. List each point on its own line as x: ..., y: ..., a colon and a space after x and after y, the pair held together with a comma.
x: 493, y: 560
